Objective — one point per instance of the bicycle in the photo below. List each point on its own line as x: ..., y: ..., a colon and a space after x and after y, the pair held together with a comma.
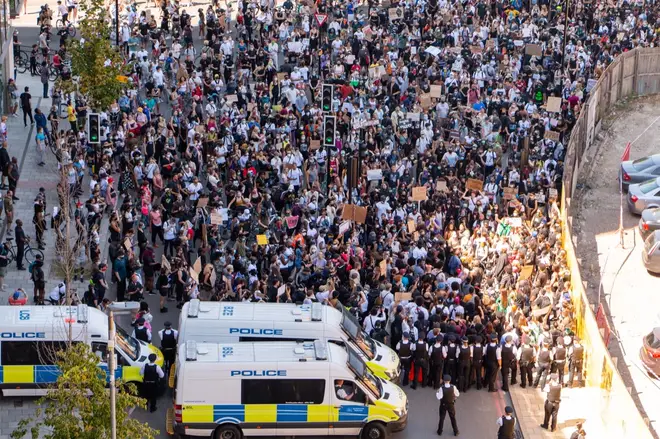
x: 65, y: 28
x: 29, y: 254
x: 21, y: 61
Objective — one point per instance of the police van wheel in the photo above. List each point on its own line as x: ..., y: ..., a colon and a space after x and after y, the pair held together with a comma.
x: 228, y: 432
x: 374, y: 430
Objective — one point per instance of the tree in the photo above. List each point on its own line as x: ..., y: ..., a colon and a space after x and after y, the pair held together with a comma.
x: 78, y: 405
x: 96, y: 66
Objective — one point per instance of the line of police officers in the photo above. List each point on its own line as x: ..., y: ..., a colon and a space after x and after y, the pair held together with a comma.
x: 464, y: 361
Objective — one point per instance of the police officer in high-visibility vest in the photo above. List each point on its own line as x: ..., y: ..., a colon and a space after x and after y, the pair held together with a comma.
x: 553, y: 398
x: 559, y: 354
x: 543, y: 363
x: 151, y: 373
x: 575, y: 356
x: 447, y: 395
x: 405, y: 350
x: 526, y: 355
x: 477, y: 367
x: 436, y: 357
x: 464, y: 359
x: 506, y: 424
x: 168, y: 339
x: 451, y: 357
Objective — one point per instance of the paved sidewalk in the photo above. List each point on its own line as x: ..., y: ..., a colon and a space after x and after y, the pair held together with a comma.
x: 577, y: 405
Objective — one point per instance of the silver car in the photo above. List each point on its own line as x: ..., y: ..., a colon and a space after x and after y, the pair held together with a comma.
x: 651, y: 252
x: 644, y: 196
x: 640, y: 170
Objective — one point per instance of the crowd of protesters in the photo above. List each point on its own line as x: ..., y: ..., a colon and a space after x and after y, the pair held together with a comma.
x: 216, y: 152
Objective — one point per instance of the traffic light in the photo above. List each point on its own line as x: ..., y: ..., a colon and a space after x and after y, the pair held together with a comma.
x: 94, y: 127
x: 326, y: 98
x: 329, y: 124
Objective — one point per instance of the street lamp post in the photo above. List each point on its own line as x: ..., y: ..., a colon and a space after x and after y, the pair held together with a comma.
x: 117, y: 27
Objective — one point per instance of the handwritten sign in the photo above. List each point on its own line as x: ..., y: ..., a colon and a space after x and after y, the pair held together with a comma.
x: 314, y: 144
x: 526, y: 271
x: 374, y: 174
x: 383, y: 267
x: 395, y: 13
x: 515, y: 221
x: 354, y: 213
x: 281, y: 290
x: 194, y: 275
x: 554, y: 104
x: 419, y: 193
x: 127, y: 244
x: 552, y: 193
x: 216, y: 219
x: 476, y: 49
x: 344, y: 227
x: 473, y: 184
x: 441, y: 186
x: 533, y: 50
x: 292, y: 222
x: 262, y: 240
x: 552, y: 135
x: 400, y: 297
x: 165, y: 264
x: 231, y: 99
x: 425, y: 101
x: 510, y: 193
x: 436, y: 91
x: 197, y: 266
x: 411, y: 226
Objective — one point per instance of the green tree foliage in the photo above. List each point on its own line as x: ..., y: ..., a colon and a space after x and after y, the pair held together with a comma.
x: 95, y: 63
x: 78, y: 406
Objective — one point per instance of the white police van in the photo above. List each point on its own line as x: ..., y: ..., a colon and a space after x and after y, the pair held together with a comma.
x: 29, y: 336
x: 231, y: 390
x: 232, y: 321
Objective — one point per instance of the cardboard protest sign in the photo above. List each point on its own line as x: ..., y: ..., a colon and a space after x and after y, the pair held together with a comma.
x: 395, y: 13
x: 515, y: 221
x: 314, y: 144
x: 165, y: 264
x: 262, y: 239
x: 425, y: 101
x: 398, y: 297
x: 216, y: 219
x: 476, y: 49
x: 533, y: 50
x: 552, y: 135
x: 552, y: 193
x: 354, y: 213
x: 473, y: 184
x: 194, y: 275
x: 414, y: 117
x: 231, y: 99
x: 197, y: 266
x: 436, y: 91
x: 281, y: 290
x: 441, y: 186
x: 416, y: 236
x: 383, y: 267
x: 510, y: 193
x: 360, y: 214
x: 344, y: 227
x: 553, y: 105
x: 526, y: 271
x: 419, y: 193
x: 127, y: 244
x: 411, y: 226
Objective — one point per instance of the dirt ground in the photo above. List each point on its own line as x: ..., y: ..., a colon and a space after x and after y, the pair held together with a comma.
x: 617, y: 271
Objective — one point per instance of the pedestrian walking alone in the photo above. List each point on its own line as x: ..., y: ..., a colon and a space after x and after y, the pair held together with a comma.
x: 447, y: 395
x: 506, y: 424
x: 26, y: 106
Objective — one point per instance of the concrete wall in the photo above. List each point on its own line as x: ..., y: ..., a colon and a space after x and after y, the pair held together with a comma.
x: 634, y: 73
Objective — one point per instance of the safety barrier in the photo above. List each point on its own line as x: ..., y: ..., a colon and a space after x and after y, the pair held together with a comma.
x: 634, y: 73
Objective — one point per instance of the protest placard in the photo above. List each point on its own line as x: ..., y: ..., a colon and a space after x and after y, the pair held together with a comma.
x: 411, y: 226
x: 262, y: 239
x: 231, y: 99
x: 533, y: 50
x: 216, y: 218
x: 292, y: 222
x: 399, y: 297
x: 314, y: 144
x: 526, y: 271
x: 553, y: 105
x: 509, y: 193
x: 441, y: 186
x: 374, y: 174
x: 473, y: 184
x: 165, y: 264
x: 436, y: 91
x: 419, y: 193
x: 552, y: 135
x: 383, y: 267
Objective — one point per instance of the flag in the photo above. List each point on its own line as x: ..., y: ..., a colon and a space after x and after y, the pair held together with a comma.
x: 626, y: 153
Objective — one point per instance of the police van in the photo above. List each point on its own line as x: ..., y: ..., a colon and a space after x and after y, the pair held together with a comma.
x: 231, y: 322
x: 30, y: 335
x: 231, y: 390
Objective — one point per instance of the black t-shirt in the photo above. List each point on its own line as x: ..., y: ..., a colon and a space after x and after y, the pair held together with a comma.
x: 97, y: 277
x: 25, y: 100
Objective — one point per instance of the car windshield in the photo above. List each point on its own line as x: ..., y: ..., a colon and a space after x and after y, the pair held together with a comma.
x: 643, y: 163
x: 648, y: 186
x: 127, y: 344
x: 652, y: 341
x: 352, y: 327
x: 360, y: 369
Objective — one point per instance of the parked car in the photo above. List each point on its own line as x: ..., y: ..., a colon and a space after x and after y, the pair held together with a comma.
x: 640, y: 170
x: 650, y: 352
x: 644, y: 196
x: 651, y: 252
x: 649, y: 222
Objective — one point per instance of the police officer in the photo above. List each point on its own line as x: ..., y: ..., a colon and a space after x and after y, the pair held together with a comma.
x: 559, y: 358
x: 141, y: 332
x: 168, y: 339
x: 436, y: 357
x: 575, y: 355
x: 553, y: 398
x: 508, y: 353
x: 421, y: 361
x: 151, y: 373
x: 450, y: 357
x: 447, y: 395
x: 405, y: 350
x: 493, y: 362
x: 464, y: 360
x: 477, y: 367
x: 543, y: 362
x: 526, y: 362
x: 507, y: 424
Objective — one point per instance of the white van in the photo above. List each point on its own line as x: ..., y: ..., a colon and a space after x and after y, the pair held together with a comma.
x: 227, y: 391
x: 229, y: 322
x: 30, y: 334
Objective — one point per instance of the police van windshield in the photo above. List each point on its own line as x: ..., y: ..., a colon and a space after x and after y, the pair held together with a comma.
x: 360, y: 370
x: 128, y: 344
x: 352, y: 327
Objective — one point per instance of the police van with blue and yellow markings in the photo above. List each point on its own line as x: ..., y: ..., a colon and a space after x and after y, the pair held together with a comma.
x: 231, y: 390
x: 229, y: 322
x: 30, y: 335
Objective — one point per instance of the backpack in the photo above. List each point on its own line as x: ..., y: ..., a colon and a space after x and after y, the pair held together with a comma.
x: 31, y: 268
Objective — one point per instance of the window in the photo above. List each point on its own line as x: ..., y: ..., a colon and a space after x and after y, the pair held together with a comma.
x: 282, y: 391
x: 29, y: 353
x: 648, y: 186
x: 643, y: 163
x: 101, y: 350
x: 653, y: 342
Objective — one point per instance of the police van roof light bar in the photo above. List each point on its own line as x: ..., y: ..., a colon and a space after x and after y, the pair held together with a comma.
x: 83, y: 313
x: 193, y: 308
x: 191, y: 350
x: 320, y: 350
x: 317, y: 312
